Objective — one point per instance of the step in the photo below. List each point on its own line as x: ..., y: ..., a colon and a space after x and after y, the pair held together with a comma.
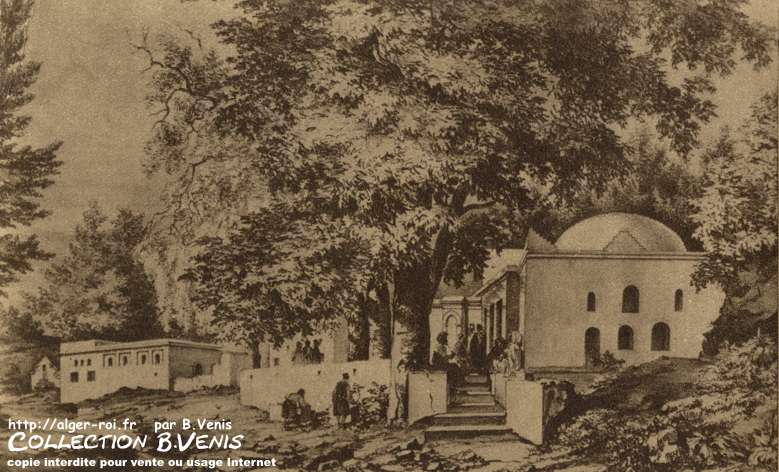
x: 474, y: 389
x: 467, y: 385
x: 476, y: 382
x: 476, y: 378
x: 469, y: 418
x: 475, y: 408
x: 435, y: 433
x: 480, y: 398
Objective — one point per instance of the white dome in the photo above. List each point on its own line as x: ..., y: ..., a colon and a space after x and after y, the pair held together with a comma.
x: 620, y: 232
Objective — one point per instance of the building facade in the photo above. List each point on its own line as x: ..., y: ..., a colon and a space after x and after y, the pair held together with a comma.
x: 615, y: 282
x: 90, y: 369
x: 45, y: 374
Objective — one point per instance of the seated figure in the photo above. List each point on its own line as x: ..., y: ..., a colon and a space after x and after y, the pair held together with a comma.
x: 295, y: 410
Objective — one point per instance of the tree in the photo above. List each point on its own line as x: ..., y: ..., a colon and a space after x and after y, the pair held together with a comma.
x: 429, y: 129
x: 656, y: 183
x: 24, y: 170
x: 99, y: 289
x: 19, y: 325
x: 737, y: 224
x: 273, y: 278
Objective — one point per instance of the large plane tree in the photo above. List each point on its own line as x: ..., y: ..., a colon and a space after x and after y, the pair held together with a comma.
x: 430, y: 129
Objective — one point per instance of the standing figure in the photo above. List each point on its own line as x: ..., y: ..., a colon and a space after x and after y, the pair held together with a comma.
x: 341, y: 405
x: 442, y: 360
x: 307, y: 352
x: 297, y: 356
x: 514, y: 353
x: 441, y: 354
x: 461, y: 351
x: 316, y: 352
x: 476, y: 349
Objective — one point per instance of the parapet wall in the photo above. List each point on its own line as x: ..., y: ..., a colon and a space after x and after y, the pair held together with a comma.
x: 266, y: 388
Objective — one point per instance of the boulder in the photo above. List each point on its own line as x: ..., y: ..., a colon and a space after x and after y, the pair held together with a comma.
x: 328, y: 465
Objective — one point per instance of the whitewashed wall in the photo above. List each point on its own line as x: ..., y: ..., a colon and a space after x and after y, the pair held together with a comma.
x: 266, y: 388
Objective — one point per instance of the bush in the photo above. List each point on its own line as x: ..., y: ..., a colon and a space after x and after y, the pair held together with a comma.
x: 698, y: 431
x: 370, y: 407
x: 610, y: 363
x: 16, y: 381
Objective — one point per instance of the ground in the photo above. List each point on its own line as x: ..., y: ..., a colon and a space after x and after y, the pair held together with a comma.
x: 638, y: 390
x: 379, y: 449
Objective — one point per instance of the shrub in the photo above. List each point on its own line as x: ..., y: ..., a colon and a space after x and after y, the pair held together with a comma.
x: 698, y: 431
x: 370, y: 405
x: 608, y: 362
x: 16, y: 381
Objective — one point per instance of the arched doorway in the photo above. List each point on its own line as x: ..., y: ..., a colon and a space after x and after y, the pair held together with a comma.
x: 661, y: 337
x: 591, y: 347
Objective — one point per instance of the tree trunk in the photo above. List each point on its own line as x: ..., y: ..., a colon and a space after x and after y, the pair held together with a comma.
x: 416, y: 290
x: 254, y: 348
x: 360, y: 330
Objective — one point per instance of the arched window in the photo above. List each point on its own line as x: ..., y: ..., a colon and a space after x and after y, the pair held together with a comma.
x: 157, y: 358
x: 661, y: 337
x: 197, y: 369
x: 630, y: 299
x: 679, y: 300
x: 110, y: 362
x: 591, y: 301
x: 625, y: 338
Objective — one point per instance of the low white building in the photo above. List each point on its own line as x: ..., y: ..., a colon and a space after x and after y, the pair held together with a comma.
x: 91, y: 369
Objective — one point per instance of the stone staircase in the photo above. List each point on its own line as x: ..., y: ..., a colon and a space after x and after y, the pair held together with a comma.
x: 473, y: 413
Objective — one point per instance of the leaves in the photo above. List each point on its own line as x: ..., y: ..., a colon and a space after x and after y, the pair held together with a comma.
x: 24, y: 170
x: 736, y: 214
x: 274, y: 277
x: 98, y: 289
x: 390, y: 117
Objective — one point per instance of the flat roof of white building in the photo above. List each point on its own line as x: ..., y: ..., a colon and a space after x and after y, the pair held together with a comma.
x: 100, y: 345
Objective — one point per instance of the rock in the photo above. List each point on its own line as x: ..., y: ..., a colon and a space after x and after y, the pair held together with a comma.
x: 322, y: 444
x: 269, y: 437
x: 328, y: 465
x: 248, y: 454
x: 286, y: 450
x: 382, y: 460
x: 404, y: 455
x: 260, y: 447
x: 413, y: 445
x: 297, y: 447
x: 393, y: 468
x: 363, y: 453
x: 351, y: 463
x: 433, y: 466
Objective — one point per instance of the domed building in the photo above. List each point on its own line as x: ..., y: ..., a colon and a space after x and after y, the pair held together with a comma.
x: 615, y: 282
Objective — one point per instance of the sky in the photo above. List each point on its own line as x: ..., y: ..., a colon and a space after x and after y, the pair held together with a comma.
x: 91, y: 89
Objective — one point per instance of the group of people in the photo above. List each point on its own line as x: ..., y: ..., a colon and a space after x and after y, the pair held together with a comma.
x: 295, y: 410
x: 507, y: 355
x: 308, y: 353
x: 470, y: 353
